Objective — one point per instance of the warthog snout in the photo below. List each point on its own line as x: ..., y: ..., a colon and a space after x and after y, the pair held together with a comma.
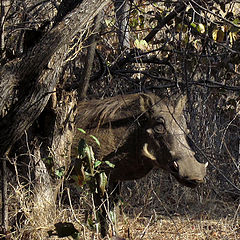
x: 190, y: 176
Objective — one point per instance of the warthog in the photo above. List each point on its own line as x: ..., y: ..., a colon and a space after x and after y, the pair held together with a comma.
x: 139, y: 132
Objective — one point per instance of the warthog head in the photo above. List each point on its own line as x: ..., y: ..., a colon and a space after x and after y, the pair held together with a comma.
x: 167, y: 145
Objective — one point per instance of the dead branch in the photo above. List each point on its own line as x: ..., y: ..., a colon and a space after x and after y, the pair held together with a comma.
x: 164, y: 21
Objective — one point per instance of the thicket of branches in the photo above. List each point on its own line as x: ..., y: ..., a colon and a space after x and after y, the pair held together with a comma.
x: 56, y: 53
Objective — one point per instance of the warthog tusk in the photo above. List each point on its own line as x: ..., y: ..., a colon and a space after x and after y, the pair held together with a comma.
x: 206, y: 164
x: 175, y: 164
x: 149, y: 131
x: 146, y: 153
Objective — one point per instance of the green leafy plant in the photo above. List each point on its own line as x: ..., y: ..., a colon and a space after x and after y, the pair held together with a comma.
x: 89, y: 171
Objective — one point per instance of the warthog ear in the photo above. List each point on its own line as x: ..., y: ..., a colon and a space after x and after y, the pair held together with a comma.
x: 180, y: 104
x: 146, y: 102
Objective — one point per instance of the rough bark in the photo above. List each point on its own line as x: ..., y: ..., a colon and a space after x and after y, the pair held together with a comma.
x: 64, y: 8
x: 8, y: 82
x: 34, y: 78
x: 89, y: 58
x: 5, y: 5
x: 122, y: 16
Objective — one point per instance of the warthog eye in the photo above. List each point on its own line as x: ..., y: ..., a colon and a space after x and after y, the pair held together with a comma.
x: 159, y: 129
x: 160, y: 126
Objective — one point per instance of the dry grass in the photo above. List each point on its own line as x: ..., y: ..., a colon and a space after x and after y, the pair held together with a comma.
x: 30, y: 221
x: 168, y: 211
x: 153, y: 208
x: 179, y: 227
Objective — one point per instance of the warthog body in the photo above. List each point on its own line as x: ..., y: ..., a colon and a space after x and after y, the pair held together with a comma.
x: 139, y: 132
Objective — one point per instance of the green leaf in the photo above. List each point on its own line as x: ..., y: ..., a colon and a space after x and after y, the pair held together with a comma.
x: 91, y: 222
x: 218, y: 35
x: 97, y: 163
x: 236, y: 21
x: 109, y: 22
x: 233, y: 37
x: 141, y: 20
x: 48, y: 161
x: 95, y: 139
x: 82, y: 145
x: 81, y: 130
x: 59, y: 172
x: 90, y: 154
x: 234, y: 29
x: 76, y: 236
x: 91, y: 159
x: 141, y: 44
x: 201, y: 28
x: 193, y: 24
x: 79, y: 172
x: 181, y: 28
x: 110, y: 164
x: 103, y: 182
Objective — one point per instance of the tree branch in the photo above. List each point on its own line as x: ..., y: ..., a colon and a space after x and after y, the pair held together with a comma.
x: 164, y: 21
x: 82, y: 90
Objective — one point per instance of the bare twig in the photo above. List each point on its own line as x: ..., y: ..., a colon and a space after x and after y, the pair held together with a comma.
x: 146, y: 228
x: 214, y: 14
x: 164, y: 21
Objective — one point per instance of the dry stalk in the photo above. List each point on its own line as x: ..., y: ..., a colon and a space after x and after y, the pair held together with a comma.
x: 146, y: 228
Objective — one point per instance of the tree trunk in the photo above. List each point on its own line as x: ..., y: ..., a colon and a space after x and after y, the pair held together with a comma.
x: 35, y: 79
x: 38, y: 73
x: 5, y: 5
x: 122, y: 16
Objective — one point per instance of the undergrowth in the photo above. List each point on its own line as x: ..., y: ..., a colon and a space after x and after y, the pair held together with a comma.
x: 154, y: 207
